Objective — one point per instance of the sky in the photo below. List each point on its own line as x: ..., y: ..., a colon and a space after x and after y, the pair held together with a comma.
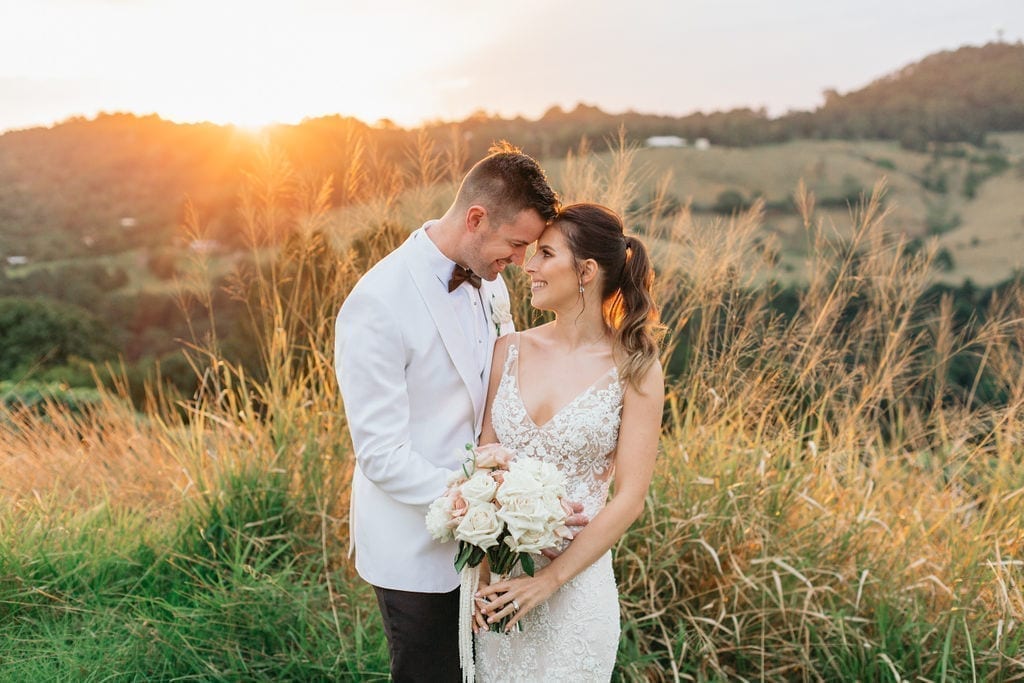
x: 254, y: 62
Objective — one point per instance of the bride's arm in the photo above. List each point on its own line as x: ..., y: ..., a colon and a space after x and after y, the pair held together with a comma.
x: 635, y: 454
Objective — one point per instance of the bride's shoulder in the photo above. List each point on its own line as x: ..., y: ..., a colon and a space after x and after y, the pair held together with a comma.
x: 649, y: 384
x: 535, y: 335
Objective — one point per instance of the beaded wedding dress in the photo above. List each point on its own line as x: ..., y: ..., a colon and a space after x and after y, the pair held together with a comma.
x: 574, y: 635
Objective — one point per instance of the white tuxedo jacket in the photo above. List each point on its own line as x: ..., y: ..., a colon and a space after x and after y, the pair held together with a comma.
x: 413, y: 399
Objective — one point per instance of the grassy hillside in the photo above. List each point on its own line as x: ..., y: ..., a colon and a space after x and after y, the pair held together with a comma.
x: 924, y: 194
x: 66, y: 190
x: 989, y: 244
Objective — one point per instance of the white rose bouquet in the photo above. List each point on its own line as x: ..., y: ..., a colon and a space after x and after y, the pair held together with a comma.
x: 501, y: 508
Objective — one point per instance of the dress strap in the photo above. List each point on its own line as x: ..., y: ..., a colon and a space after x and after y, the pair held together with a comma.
x: 512, y: 352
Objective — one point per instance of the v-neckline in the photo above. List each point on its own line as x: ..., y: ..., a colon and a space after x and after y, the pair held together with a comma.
x: 557, y: 413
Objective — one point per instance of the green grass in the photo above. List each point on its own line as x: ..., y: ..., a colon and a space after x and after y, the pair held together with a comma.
x: 223, y: 594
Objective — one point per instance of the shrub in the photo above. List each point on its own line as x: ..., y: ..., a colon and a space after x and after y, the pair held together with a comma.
x: 944, y: 260
x: 163, y: 263
x: 940, y: 219
x: 37, y: 333
x: 729, y: 201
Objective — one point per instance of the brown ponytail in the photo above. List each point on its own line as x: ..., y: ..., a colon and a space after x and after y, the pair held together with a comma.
x: 596, y: 232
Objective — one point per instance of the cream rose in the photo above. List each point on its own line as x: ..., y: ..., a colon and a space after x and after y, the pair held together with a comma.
x: 480, y: 527
x: 532, y: 541
x: 458, y: 508
x: 438, y: 517
x: 527, y: 519
x: 532, y: 478
x: 493, y: 455
x: 480, y: 488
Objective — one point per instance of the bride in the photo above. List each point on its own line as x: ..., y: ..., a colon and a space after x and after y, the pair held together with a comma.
x: 585, y: 393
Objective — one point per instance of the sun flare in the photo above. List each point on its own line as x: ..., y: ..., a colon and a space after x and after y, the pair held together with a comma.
x: 201, y: 61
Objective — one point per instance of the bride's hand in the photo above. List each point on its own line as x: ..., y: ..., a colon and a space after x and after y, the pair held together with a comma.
x: 515, y: 597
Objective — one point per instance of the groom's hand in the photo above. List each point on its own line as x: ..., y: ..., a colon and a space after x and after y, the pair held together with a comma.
x: 479, y: 618
x: 577, y: 519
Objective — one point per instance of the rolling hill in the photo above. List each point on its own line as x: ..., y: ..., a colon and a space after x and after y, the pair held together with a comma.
x: 117, y: 184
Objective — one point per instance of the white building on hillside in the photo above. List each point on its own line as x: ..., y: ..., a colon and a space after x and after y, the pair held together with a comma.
x: 666, y: 141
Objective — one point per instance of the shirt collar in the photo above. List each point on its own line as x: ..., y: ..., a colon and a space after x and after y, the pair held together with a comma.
x: 439, y: 264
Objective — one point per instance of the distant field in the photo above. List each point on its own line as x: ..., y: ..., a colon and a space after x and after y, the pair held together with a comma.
x: 989, y: 245
x: 134, y: 263
x: 925, y: 195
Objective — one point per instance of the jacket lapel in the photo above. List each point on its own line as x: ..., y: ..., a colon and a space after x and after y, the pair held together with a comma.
x: 443, y: 312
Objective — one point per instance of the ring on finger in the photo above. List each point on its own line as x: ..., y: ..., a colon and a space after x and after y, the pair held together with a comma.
x: 515, y: 605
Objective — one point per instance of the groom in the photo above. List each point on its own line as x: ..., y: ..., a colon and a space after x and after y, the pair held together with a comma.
x: 413, y: 351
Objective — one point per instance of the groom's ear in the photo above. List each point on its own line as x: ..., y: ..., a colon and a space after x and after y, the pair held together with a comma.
x: 476, y: 216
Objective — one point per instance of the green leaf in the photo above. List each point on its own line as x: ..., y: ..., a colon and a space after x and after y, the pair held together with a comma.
x: 527, y: 561
x: 462, y: 556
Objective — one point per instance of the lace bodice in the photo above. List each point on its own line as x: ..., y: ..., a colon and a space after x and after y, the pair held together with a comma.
x: 579, y: 439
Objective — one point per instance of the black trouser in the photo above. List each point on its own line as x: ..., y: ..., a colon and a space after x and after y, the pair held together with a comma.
x: 423, y: 635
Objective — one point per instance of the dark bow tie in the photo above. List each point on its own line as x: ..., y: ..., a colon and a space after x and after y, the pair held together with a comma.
x: 460, y: 275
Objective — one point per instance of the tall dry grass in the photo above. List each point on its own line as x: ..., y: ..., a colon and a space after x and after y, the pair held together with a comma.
x: 828, y: 505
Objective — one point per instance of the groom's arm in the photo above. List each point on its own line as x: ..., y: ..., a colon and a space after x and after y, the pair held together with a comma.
x: 370, y: 360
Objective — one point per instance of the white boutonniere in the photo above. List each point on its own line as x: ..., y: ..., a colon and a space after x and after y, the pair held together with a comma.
x: 501, y: 313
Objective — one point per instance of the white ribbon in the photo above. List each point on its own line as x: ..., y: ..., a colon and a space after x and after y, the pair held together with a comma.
x: 470, y: 577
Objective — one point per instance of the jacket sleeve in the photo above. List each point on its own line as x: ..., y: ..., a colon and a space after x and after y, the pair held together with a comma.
x: 370, y: 359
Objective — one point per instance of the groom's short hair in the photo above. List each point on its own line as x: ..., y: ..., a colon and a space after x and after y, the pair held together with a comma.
x: 506, y: 182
